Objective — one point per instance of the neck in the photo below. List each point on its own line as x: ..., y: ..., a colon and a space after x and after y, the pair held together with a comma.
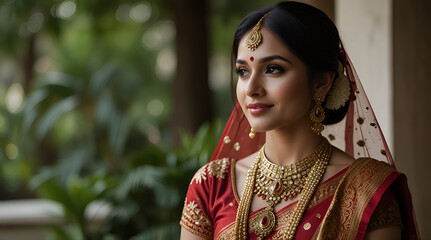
x: 290, y: 145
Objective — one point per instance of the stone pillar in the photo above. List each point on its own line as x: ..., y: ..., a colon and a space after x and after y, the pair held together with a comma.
x: 365, y: 29
x: 412, y: 111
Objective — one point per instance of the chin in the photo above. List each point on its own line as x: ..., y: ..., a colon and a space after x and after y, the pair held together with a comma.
x: 261, y: 127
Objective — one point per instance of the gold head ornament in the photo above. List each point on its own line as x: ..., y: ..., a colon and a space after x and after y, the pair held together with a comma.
x: 255, y: 37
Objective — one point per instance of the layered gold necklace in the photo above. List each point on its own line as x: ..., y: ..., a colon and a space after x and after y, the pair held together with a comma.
x: 276, y: 183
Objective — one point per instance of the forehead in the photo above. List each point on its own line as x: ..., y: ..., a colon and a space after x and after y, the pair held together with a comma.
x: 270, y: 45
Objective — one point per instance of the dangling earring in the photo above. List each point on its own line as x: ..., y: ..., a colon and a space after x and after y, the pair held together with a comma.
x: 252, y: 133
x: 317, y: 114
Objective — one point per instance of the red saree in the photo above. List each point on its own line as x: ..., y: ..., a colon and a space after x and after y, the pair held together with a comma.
x: 341, y: 207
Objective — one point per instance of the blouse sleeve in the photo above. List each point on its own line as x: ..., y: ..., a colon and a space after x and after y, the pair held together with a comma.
x: 387, y: 212
x: 195, y: 217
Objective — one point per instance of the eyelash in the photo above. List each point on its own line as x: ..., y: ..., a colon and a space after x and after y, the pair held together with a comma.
x: 274, y: 68
x: 271, y: 69
x: 240, y: 71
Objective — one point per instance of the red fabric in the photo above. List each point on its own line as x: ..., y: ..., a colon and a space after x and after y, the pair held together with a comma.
x: 368, y: 212
x: 237, y: 129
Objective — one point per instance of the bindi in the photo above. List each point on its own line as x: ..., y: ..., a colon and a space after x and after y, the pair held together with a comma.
x: 252, y: 59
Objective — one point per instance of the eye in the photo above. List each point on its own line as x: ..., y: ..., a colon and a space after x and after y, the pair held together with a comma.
x: 274, y: 69
x: 241, y: 72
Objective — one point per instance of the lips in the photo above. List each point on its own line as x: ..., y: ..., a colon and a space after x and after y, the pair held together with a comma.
x: 258, y: 108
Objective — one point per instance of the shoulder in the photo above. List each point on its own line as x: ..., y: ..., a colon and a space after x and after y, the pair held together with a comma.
x: 217, y: 169
x: 370, y: 175
x: 371, y: 165
x: 357, y: 195
x: 197, y: 216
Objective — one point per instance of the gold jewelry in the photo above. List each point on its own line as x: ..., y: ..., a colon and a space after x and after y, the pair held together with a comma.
x: 317, y: 114
x: 241, y: 223
x: 255, y: 37
x: 252, y: 133
x: 266, y: 220
x: 275, y: 183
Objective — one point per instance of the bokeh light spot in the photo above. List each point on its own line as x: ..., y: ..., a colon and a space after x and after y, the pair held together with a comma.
x: 14, y: 98
x: 140, y: 12
x: 11, y: 151
x: 66, y: 9
x: 166, y: 64
x: 123, y: 11
x: 155, y: 107
x: 35, y: 22
x: 160, y: 35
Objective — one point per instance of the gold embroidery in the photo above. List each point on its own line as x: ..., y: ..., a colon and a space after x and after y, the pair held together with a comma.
x: 307, y: 226
x: 231, y: 204
x: 384, y: 217
x: 196, y: 221
x: 282, y: 220
x: 351, y: 198
x: 227, y: 232
x: 326, y: 190
x: 218, y: 168
x: 200, y: 175
x: 318, y: 215
x: 226, y: 139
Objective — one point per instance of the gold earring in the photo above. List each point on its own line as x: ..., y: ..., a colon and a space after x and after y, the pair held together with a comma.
x: 252, y: 133
x: 317, y: 114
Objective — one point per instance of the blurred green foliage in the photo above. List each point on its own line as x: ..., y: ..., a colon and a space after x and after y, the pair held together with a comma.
x: 146, y: 198
x: 85, y: 105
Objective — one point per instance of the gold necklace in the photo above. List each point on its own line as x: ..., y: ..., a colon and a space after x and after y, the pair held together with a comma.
x: 275, y: 183
x: 266, y: 221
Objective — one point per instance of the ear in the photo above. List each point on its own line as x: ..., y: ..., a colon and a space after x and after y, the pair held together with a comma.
x: 323, y: 82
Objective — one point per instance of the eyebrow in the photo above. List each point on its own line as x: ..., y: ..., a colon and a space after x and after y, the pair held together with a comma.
x: 240, y: 61
x: 274, y: 57
x: 266, y: 59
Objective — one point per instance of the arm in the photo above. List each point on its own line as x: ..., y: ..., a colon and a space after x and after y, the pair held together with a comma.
x: 195, y: 219
x: 387, y: 233
x: 386, y: 221
x: 186, y: 235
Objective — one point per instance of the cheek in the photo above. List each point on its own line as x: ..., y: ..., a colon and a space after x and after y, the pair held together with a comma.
x: 295, y: 97
x: 240, y: 93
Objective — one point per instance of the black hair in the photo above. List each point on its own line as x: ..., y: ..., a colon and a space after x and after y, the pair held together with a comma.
x: 308, y: 33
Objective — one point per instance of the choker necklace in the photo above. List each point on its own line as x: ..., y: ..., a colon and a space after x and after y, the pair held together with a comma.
x: 274, y: 183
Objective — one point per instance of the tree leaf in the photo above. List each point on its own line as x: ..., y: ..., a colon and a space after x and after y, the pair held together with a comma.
x: 141, y: 177
x: 54, y: 114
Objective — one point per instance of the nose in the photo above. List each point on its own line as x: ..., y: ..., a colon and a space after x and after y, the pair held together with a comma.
x: 255, y: 87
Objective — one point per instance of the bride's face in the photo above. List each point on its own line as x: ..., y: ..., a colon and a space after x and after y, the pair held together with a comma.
x: 272, y: 88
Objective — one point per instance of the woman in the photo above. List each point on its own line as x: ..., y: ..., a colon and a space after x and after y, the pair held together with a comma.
x: 274, y: 174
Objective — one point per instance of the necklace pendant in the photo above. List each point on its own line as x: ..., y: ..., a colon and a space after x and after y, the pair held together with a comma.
x: 265, y: 222
x: 277, y: 188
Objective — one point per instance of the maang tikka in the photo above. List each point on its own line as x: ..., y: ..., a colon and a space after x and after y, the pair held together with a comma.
x: 255, y: 37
